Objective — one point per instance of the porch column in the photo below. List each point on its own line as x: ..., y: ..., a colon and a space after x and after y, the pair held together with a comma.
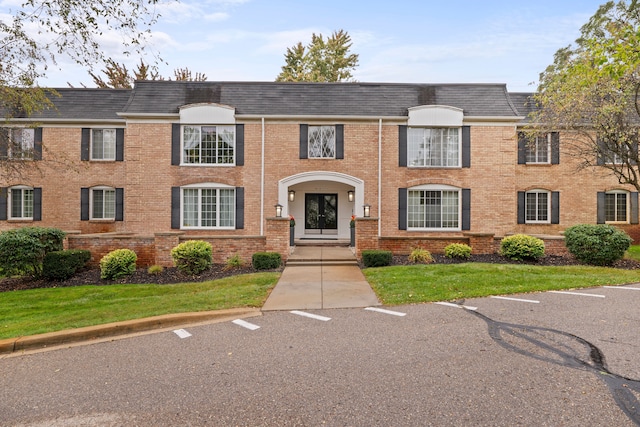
x: 278, y: 236
x: 366, y: 235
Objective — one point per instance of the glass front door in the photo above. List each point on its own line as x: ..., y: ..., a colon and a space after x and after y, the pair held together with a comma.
x: 321, y: 213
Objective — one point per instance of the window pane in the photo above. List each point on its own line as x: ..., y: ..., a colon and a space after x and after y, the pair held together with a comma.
x: 621, y: 207
x: 321, y: 142
x: 543, y: 207
x: 610, y: 207
x: 449, y: 209
x: 16, y: 203
x: 22, y: 143
x: 209, y: 207
x: 190, y: 207
x: 437, y: 147
x: 226, y: 142
x: 109, y: 204
x: 98, y: 204
x: 191, y: 141
x: 103, y: 144
x: 227, y: 208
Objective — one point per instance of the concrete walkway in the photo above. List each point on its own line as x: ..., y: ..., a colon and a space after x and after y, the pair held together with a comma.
x: 318, y: 277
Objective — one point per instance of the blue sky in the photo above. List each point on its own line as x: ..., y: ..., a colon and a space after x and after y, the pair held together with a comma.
x: 422, y: 41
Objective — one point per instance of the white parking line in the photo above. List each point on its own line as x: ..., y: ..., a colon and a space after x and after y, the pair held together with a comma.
x: 578, y: 293
x: 450, y: 304
x: 245, y: 324
x: 532, y: 301
x: 621, y: 287
x: 310, y: 315
x: 182, y: 333
x: 382, y: 310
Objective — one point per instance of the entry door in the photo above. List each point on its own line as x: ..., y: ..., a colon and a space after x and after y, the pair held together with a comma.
x: 321, y: 212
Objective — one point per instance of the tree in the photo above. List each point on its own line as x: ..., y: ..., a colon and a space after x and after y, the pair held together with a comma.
x: 320, y: 60
x: 591, y: 91
x: 41, y: 32
x: 118, y: 76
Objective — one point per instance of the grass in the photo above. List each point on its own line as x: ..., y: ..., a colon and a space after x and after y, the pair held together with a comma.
x: 633, y: 252
x: 445, y: 282
x: 37, y: 311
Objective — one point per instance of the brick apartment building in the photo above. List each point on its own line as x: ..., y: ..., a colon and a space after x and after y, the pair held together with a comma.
x: 419, y: 165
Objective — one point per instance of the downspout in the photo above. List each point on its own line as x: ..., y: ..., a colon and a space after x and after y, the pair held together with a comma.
x: 262, y: 182
x: 379, y: 175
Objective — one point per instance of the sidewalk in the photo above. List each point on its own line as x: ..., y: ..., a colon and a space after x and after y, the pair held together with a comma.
x: 319, y: 277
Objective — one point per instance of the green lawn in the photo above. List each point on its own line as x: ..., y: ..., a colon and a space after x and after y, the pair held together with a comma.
x: 37, y: 311
x: 443, y: 282
x: 633, y: 252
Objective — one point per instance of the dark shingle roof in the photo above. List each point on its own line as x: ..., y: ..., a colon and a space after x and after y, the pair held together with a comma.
x: 523, y: 102
x: 320, y: 99
x: 86, y: 104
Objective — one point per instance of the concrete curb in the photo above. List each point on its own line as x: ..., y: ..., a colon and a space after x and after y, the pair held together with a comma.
x: 69, y: 336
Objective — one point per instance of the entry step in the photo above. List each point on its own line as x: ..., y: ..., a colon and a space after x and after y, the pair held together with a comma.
x: 326, y: 262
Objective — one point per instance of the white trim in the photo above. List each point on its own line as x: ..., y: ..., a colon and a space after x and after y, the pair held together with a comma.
x: 103, y: 188
x: 201, y: 186
x: 627, y: 206
x: 436, y: 187
x: 207, y: 113
x: 435, y: 115
x: 538, y: 191
x: 10, y: 202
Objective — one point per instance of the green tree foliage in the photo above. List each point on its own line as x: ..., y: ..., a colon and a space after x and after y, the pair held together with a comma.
x: 118, y: 76
x: 321, y: 60
x: 592, y: 92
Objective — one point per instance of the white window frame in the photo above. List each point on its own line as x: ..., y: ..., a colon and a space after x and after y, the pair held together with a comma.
x: 24, y: 203
x: 111, y: 152
x: 105, y: 215
x: 537, y: 193
x: 327, y: 139
x: 418, y: 155
x: 434, y: 188
x: 616, y: 194
x: 230, y: 217
x: 185, y: 161
x: 532, y: 150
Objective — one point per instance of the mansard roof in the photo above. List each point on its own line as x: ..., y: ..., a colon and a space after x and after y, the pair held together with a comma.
x: 524, y: 102
x: 319, y: 99
x: 82, y: 104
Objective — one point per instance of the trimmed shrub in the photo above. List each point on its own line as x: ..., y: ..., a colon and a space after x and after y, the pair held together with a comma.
x: 266, y: 260
x: 457, y: 250
x: 155, y: 269
x: 118, y: 263
x: 61, y: 265
x: 22, y: 250
x: 376, y: 258
x: 600, y: 244
x: 192, y: 257
x: 420, y: 256
x: 520, y: 247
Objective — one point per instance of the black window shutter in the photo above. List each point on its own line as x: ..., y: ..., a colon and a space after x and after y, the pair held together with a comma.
x: 119, y: 204
x: 119, y: 144
x: 466, y: 209
x: 239, y: 145
x: 84, y: 144
x: 339, y: 141
x: 175, y: 144
x: 175, y: 207
x: 521, y: 198
x: 4, y: 143
x: 239, y: 208
x: 555, y: 207
x: 466, y: 146
x: 37, y: 204
x: 601, y: 215
x: 84, y: 204
x: 37, y: 144
x: 304, y: 141
x: 402, y: 146
x: 600, y: 154
x: 555, y: 148
x: 522, y: 148
x: 634, y: 207
x: 4, y: 192
x: 402, y: 208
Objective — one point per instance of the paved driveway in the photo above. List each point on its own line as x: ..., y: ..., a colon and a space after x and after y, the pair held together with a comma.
x: 517, y: 363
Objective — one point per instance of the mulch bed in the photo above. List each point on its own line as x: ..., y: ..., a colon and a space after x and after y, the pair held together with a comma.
x: 218, y: 271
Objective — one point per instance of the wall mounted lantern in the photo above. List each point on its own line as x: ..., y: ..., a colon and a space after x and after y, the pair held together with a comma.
x: 350, y: 195
x: 367, y: 210
x: 278, y: 210
x: 292, y: 195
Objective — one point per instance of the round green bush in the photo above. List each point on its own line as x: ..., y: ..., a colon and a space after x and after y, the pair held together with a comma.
x: 457, y: 250
x: 520, y: 247
x: 193, y: 256
x: 117, y: 264
x: 600, y: 244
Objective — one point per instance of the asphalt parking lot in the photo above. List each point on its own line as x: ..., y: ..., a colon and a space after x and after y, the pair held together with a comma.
x: 537, y: 359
